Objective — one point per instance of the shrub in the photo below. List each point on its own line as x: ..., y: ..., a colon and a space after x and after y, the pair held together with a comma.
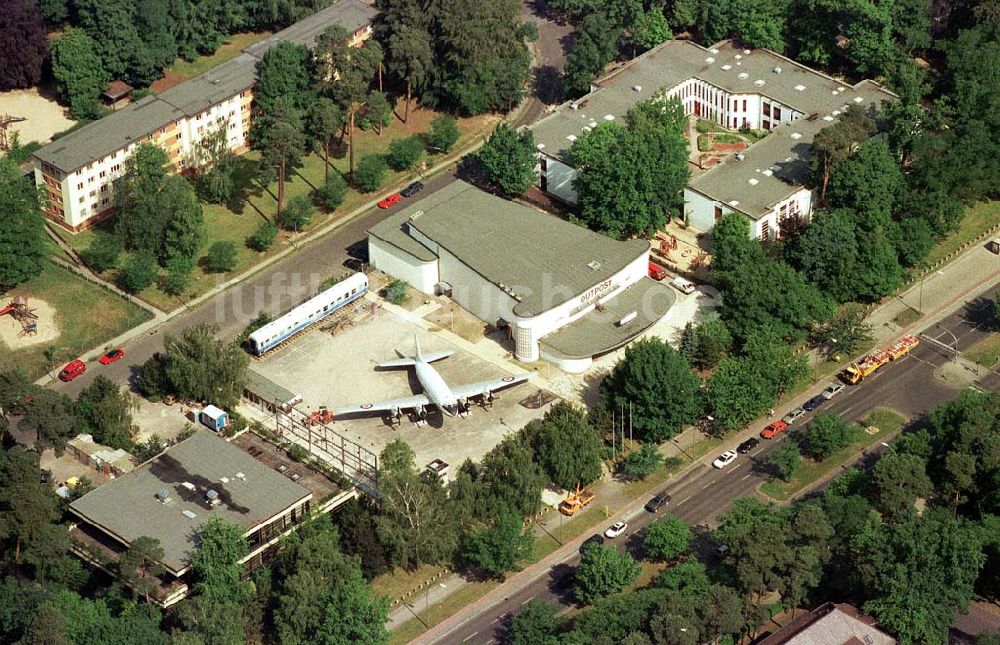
x: 331, y: 194
x: 298, y: 453
x: 103, y: 252
x: 179, y: 275
x: 138, y: 273
x: 369, y: 173
x: 148, y: 449
x: 221, y: 257
x: 264, y: 237
x: 405, y: 153
x: 783, y: 461
x: 297, y: 214
x: 151, y: 380
x: 643, y: 462
x: 705, y: 126
x: 396, y: 292
x: 443, y: 134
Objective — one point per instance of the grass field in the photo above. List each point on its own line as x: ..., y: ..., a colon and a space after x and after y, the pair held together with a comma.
x: 888, y: 423
x: 986, y: 352
x: 86, y: 315
x: 978, y: 218
x: 237, y: 224
x: 907, y: 317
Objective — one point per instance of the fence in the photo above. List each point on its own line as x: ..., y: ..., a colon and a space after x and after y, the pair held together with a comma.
x: 354, y: 461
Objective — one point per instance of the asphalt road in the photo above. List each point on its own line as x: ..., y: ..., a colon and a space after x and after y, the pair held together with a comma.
x: 911, y: 386
x: 550, y: 48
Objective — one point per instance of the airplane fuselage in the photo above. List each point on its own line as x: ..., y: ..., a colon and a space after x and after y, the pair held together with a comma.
x: 436, y: 389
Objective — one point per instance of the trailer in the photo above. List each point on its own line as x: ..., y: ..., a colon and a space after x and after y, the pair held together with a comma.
x: 902, y: 347
x: 862, y: 369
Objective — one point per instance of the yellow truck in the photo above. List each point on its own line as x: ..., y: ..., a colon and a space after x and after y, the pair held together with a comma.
x: 575, y: 502
x: 861, y: 369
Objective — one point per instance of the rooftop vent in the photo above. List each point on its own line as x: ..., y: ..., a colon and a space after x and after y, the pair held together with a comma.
x: 189, y: 486
x: 734, y: 203
x: 796, y: 136
x: 586, y: 128
x: 767, y: 173
x: 216, y: 81
x: 540, y: 146
x: 163, y: 495
x: 828, y: 118
x: 737, y: 56
x: 709, y: 60
x: 835, y: 92
x: 189, y: 514
x: 836, y: 113
x: 759, y: 82
x: 746, y: 52
x: 777, y: 70
x: 799, y: 88
x: 637, y: 88
x: 739, y: 156
x: 858, y: 99
x: 743, y: 75
x: 840, y: 89
x: 752, y: 181
x: 609, y: 117
x: 212, y: 497
x: 571, y: 137
x: 224, y: 480
x: 594, y: 265
x: 592, y: 124
x: 574, y: 106
x: 713, y: 51
x: 241, y: 476
x: 726, y: 68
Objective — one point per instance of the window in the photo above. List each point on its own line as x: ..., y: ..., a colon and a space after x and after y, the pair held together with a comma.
x: 116, y: 167
x: 104, y: 202
x: 744, y: 105
x: 777, y: 113
x: 767, y: 109
x: 103, y: 173
x: 82, y: 197
x: 79, y: 186
x: 93, y: 192
x: 766, y: 124
x: 765, y: 230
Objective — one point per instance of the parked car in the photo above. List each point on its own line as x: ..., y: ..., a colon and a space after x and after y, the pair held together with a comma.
x: 73, y: 369
x: 615, y: 530
x: 682, y: 285
x: 725, y: 459
x: 656, y: 272
x: 793, y: 415
x: 657, y: 502
x: 832, y: 390
x: 747, y: 445
x: 773, y: 430
x: 390, y: 201
x: 412, y: 189
x: 593, y: 539
x: 814, y: 403
x: 112, y: 356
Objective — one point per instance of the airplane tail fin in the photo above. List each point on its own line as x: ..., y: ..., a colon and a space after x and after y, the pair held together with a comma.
x: 418, y: 357
x: 416, y: 345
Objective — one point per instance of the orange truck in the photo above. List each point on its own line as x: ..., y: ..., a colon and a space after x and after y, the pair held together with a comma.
x: 575, y: 502
x: 859, y: 370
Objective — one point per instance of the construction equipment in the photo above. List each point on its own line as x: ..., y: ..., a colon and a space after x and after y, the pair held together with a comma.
x: 859, y: 370
x: 576, y: 501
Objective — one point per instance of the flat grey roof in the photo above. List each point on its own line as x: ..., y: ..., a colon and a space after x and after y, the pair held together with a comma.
x: 542, y: 259
x: 746, y: 72
x: 350, y: 14
x: 598, y: 332
x: 127, y: 507
x: 102, y: 137
x: 393, y: 230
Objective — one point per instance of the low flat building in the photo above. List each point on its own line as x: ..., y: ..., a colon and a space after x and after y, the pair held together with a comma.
x: 830, y: 624
x: 567, y: 294
x: 735, y: 88
x: 108, y: 461
x: 171, y: 496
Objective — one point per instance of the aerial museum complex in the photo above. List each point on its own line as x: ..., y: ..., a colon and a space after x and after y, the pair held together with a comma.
x: 549, y: 299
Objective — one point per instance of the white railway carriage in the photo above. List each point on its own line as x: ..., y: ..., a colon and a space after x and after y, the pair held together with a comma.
x: 307, y: 314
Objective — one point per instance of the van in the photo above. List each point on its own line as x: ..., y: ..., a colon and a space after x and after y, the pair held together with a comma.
x: 73, y: 369
x: 656, y: 272
x: 682, y: 285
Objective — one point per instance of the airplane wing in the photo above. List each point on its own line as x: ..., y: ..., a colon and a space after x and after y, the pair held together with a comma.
x: 403, y: 403
x: 481, y: 388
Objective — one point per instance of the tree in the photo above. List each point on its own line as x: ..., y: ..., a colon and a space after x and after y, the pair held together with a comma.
x: 603, y: 571
x: 784, y: 461
x: 410, y: 58
x: 643, y: 462
x: 511, y: 476
x: 297, y: 214
x: 216, y: 561
x: 654, y: 383
x: 405, y: 153
x: 23, y: 45
x: 22, y: 246
x: 26, y: 504
x: 593, y: 49
x: 141, y: 563
x: 325, y: 118
x: 184, y: 233
x: 369, y: 173
x: 151, y: 380
x: 222, y: 257
x: 650, y: 29
x: 283, y: 75
x: 827, y: 434
x: 216, y: 182
x: 331, y: 194
x: 508, y: 157
x: 202, y: 368
x: 690, y: 577
x: 105, y: 411
x: 148, y: 449
x: 443, y: 134
x: 567, y: 446
x: 498, y: 547
x: 138, y: 273
x: 143, y: 211
x: 834, y: 144
x: 264, y: 237
x: 757, y: 539
x: 378, y: 112
x: 667, y: 538
x: 868, y: 182
x: 112, y: 25
x: 79, y: 73
x: 397, y: 291
x: 278, y: 134
x: 899, y: 479
x: 537, y: 623
x: 356, y: 524
x: 711, y: 341
x: 103, y: 251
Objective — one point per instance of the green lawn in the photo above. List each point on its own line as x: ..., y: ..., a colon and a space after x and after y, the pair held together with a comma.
x: 986, y: 352
x: 436, y: 613
x: 86, y: 315
x: 907, y: 317
x: 237, y: 223
x: 888, y: 423
x: 978, y: 219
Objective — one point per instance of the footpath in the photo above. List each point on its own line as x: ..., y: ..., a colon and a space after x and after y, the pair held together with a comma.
x: 966, y: 274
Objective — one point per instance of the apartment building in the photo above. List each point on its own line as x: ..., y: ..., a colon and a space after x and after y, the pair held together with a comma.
x: 733, y: 87
x: 79, y: 169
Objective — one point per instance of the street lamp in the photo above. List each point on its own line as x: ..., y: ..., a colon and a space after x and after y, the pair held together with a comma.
x: 889, y: 447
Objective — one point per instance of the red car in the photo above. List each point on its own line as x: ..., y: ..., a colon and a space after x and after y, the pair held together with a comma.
x: 773, y: 430
x: 73, y: 369
x: 390, y: 201
x: 657, y: 272
x: 112, y: 356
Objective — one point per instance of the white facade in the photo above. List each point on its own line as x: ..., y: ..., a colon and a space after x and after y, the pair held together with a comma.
x: 702, y: 212
x: 422, y: 275
x: 557, y: 178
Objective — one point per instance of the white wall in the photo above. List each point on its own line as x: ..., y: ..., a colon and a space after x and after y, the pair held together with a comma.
x: 559, y: 180
x: 473, y: 292
x: 389, y: 259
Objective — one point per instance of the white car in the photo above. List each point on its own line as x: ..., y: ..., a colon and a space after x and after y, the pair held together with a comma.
x: 615, y: 530
x: 831, y: 390
x: 725, y: 459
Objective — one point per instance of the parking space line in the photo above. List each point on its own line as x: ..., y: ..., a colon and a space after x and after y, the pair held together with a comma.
x: 708, y: 484
x: 684, y: 500
x: 528, y: 600
x: 745, y: 476
x: 469, y: 637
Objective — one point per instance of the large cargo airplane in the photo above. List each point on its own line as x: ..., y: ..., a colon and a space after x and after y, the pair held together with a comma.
x: 436, y: 392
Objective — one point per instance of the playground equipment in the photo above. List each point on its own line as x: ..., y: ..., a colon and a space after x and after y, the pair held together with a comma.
x: 18, y: 309
x: 6, y: 120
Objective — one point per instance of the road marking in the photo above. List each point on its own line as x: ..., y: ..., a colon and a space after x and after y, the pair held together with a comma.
x: 735, y: 467
x: 847, y: 410
x: 745, y: 476
x: 469, y: 637
x: 708, y: 484
x: 939, y: 272
x: 528, y: 600
x: 494, y: 620
x: 684, y: 500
